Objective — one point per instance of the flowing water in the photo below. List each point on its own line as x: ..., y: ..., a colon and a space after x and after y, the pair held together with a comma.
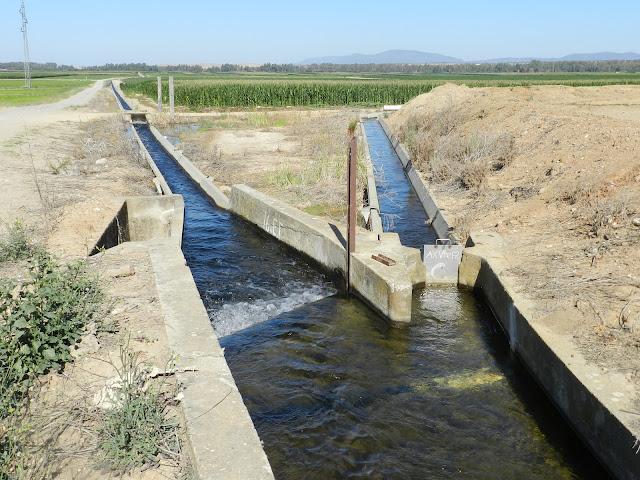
x: 336, y: 392
x: 400, y: 207
x: 243, y: 275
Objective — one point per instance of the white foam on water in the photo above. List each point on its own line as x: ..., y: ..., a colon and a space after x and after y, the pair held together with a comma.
x: 232, y: 317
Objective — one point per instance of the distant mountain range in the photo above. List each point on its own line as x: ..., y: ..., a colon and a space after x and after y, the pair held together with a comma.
x: 416, y: 57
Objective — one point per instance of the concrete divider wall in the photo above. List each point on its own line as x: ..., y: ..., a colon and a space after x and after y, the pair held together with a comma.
x: 310, y: 235
x: 155, y: 217
x: 598, y: 405
x: 375, y: 221
x: 159, y: 178
x: 436, y: 214
x: 386, y: 288
x: 204, y: 182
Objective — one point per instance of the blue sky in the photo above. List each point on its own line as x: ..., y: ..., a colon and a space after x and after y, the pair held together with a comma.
x: 249, y: 31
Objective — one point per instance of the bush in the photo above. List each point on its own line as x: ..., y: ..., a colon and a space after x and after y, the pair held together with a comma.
x: 40, y: 320
x: 449, y: 155
x: 16, y: 244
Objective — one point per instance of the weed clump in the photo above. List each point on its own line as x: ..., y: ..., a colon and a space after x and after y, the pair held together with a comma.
x: 450, y: 156
x: 136, y: 430
x: 16, y: 244
x: 40, y: 319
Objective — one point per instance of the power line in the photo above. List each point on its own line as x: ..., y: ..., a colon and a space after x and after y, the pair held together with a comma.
x: 25, y: 41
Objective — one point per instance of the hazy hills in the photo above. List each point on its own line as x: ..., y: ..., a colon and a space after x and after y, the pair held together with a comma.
x: 417, y: 57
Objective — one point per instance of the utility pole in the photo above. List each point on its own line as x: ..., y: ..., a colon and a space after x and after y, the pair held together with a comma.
x: 25, y: 41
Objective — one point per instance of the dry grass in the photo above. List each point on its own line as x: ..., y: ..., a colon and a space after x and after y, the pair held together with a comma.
x: 103, y: 139
x: 451, y: 155
x: 318, y: 183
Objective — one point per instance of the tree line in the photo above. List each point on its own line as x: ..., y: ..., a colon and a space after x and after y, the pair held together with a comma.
x: 534, y: 66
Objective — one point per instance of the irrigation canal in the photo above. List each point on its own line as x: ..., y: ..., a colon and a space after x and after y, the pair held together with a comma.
x: 334, y: 391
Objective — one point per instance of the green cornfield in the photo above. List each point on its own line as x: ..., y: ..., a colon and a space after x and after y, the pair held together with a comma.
x: 229, y: 94
x: 247, y: 92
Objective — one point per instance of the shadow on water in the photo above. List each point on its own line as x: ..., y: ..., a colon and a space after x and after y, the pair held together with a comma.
x: 336, y: 392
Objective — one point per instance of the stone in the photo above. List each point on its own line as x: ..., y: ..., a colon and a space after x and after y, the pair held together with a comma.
x: 101, y: 161
x: 122, y: 271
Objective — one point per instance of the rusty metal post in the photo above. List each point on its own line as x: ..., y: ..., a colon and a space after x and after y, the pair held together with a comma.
x: 351, y: 215
x: 160, y: 94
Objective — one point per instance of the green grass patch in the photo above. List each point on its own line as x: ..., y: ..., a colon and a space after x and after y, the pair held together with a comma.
x: 326, y: 210
x: 43, y: 90
x: 16, y: 244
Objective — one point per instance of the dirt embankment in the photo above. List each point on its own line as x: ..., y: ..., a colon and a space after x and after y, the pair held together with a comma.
x: 556, y: 172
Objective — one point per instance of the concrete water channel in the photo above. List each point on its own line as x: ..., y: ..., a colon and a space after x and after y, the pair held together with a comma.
x: 334, y: 390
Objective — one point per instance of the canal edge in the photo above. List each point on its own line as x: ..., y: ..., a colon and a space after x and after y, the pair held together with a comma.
x: 575, y: 387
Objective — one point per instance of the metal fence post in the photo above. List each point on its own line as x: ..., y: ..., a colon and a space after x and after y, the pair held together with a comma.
x: 160, y: 94
x: 171, y: 97
x: 351, y: 215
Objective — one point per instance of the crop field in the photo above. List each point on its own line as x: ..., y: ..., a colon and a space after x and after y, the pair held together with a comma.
x: 200, y: 92
x: 46, y: 86
x: 13, y: 93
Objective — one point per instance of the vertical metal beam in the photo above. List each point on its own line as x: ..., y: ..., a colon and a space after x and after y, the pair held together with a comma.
x: 351, y: 214
x: 160, y: 94
x: 25, y: 44
x: 171, y: 97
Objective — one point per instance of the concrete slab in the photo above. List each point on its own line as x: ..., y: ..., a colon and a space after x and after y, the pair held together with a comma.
x: 222, y: 439
x: 144, y: 218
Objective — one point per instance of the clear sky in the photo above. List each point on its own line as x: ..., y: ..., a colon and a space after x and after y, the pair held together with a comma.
x: 251, y: 31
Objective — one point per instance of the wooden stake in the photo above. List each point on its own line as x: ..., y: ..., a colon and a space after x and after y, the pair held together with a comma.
x: 171, y: 97
x: 160, y: 94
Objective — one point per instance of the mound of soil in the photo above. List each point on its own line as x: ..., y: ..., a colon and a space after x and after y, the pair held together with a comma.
x: 566, y: 198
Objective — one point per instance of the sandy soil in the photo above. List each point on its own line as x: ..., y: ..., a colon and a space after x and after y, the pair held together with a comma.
x: 66, y: 169
x: 562, y: 187
x: 297, y: 156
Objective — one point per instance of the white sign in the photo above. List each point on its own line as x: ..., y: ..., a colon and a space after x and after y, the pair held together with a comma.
x: 442, y: 261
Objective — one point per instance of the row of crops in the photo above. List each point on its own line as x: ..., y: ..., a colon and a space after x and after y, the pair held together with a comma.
x: 229, y: 94
x: 202, y: 94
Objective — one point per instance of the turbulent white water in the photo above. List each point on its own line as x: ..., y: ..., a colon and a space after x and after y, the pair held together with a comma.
x: 232, y: 317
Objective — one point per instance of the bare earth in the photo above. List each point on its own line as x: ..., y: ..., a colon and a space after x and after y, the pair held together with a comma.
x: 562, y: 189
x: 65, y: 170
